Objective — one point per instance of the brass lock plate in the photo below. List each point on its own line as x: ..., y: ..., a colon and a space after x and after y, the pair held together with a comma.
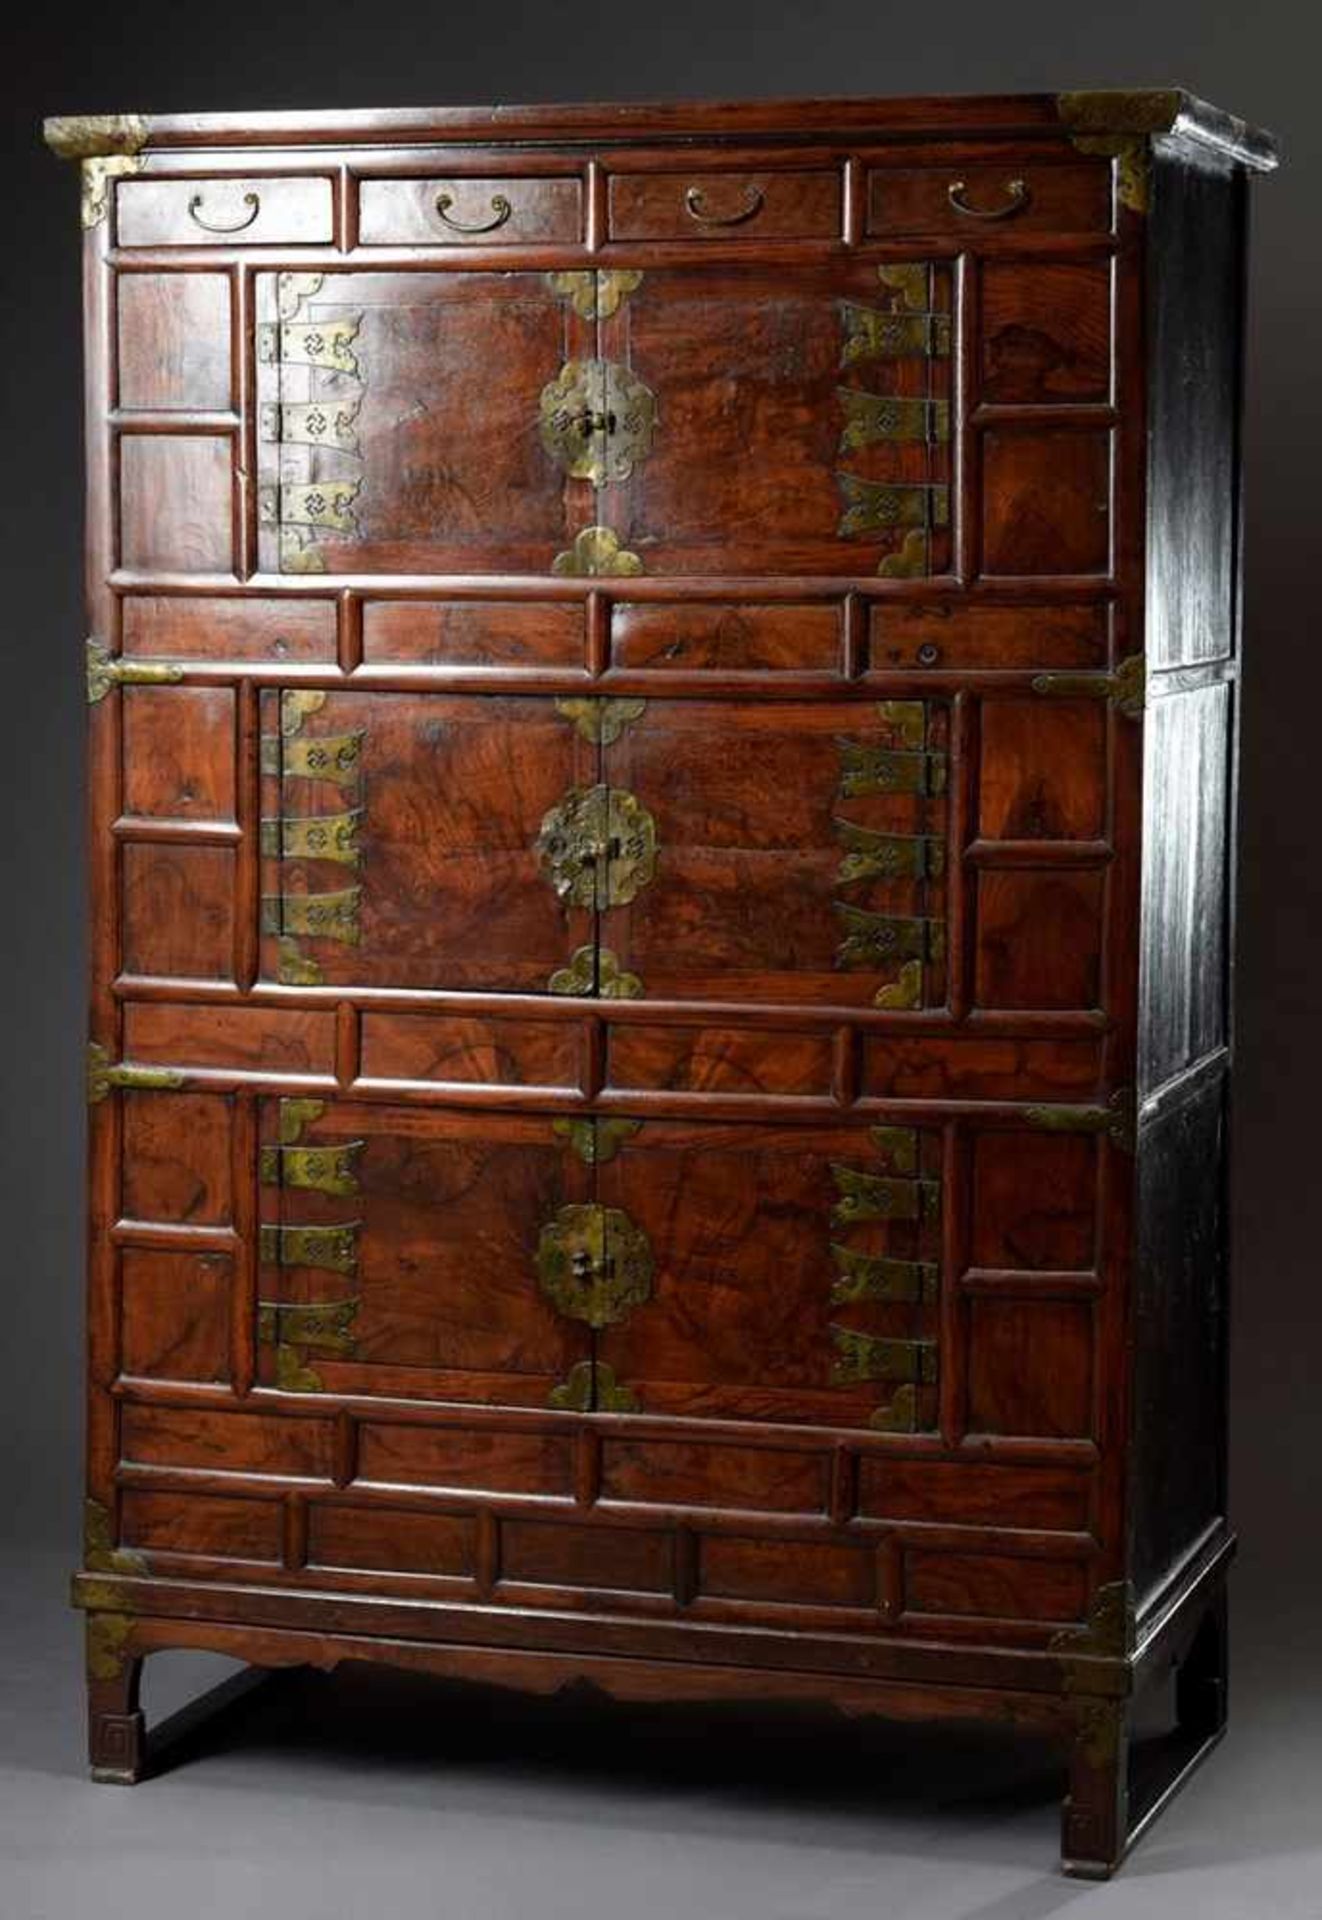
x: 597, y: 420
x: 594, y: 1264
x: 597, y: 847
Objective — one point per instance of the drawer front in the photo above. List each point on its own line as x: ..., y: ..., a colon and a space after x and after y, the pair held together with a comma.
x: 458, y: 212
x: 967, y: 200
x: 251, y: 211
x: 727, y: 205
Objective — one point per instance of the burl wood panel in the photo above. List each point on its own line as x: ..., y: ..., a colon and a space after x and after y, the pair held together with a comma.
x: 1039, y: 938
x: 473, y: 633
x: 177, y: 1159
x: 225, y: 1442
x: 443, y: 1211
x: 754, y: 882
x: 178, y: 911
x: 1034, y: 1200
x: 1042, y: 772
x: 1014, y: 1388
x: 269, y: 1040
x: 706, y: 637
x: 1046, y: 331
x: 1046, y: 501
x: 451, y: 795
x: 955, y: 635
x: 179, y: 753
x: 174, y: 341
x: 398, y: 1453
x: 229, y: 1526
x: 175, y: 1314
x: 456, y: 1052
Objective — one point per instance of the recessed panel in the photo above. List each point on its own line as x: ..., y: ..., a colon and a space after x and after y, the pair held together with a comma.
x: 179, y: 753
x: 1046, y: 331
x: 184, y: 627
x: 1034, y: 1200
x: 1042, y: 770
x: 175, y: 499
x: 1039, y: 934
x: 174, y: 341
x: 178, y: 911
x: 177, y: 1166
x: 175, y: 1314
x: 1046, y: 501
x: 1030, y: 1368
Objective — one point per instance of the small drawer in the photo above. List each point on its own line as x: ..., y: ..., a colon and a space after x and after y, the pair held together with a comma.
x: 469, y: 212
x: 249, y: 212
x: 965, y: 200
x: 723, y: 206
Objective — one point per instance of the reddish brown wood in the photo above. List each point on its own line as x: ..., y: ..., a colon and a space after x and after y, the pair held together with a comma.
x: 698, y: 1489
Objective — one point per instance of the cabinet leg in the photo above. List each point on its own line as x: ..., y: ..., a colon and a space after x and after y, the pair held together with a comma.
x: 1095, y: 1816
x: 116, y: 1731
x: 1200, y: 1683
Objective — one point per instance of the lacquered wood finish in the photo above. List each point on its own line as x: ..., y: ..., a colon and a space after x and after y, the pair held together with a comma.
x: 621, y: 800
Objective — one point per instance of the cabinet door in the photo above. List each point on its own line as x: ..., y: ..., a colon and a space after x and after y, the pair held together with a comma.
x: 800, y: 851
x: 794, y: 1273
x: 397, y: 1252
x: 402, y: 841
x: 399, y: 422
x: 802, y: 418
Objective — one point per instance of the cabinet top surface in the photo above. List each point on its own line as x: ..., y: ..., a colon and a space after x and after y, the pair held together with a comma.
x: 1114, y: 112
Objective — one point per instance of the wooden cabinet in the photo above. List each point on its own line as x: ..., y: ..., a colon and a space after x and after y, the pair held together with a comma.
x: 663, y: 688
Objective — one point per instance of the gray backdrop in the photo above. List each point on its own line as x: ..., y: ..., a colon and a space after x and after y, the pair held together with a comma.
x: 1259, y: 62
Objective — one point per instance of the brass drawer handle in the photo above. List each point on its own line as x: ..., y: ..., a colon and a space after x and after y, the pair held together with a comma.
x: 694, y: 198
x: 1019, y: 199
x: 252, y: 201
x: 500, y: 213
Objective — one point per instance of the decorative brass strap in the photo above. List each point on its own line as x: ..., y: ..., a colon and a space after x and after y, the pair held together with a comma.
x: 1117, y: 1119
x: 595, y: 296
x: 328, y: 344
x: 874, y: 940
x: 866, y: 1356
x: 865, y: 769
x: 313, y: 1169
x: 106, y: 670
x: 324, y: 1325
x: 870, y: 855
x: 328, y: 756
x: 332, y: 1249
x: 872, y: 418
x: 313, y: 424
x: 1125, y: 688
x: 870, y: 1276
x: 102, y: 1078
x: 877, y: 506
x: 874, y: 334
x: 326, y: 836
x: 315, y: 916
x: 594, y: 1264
x: 873, y: 1196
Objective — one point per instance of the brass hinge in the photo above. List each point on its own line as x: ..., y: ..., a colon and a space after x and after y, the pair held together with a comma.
x: 327, y: 756
x: 330, y: 1249
x: 315, y: 916
x: 325, y: 836
x: 878, y: 418
x: 867, y: 1356
x: 1118, y: 1119
x: 875, y: 1196
x: 102, y: 1078
x: 312, y: 1169
x: 876, y: 939
x: 871, y: 1276
x: 869, y: 855
x: 865, y: 769
x: 1125, y: 688
x: 106, y: 670
x: 324, y: 1325
x: 594, y: 1264
x: 877, y: 506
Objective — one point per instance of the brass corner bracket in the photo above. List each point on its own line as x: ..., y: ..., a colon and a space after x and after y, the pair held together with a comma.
x: 1109, y: 1633
x: 109, y: 145
x: 106, y: 670
x: 94, y: 136
x: 1119, y: 126
x: 100, y: 1554
x: 103, y: 1078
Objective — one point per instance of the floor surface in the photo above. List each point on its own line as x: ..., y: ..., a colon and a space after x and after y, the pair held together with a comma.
x: 369, y: 1792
